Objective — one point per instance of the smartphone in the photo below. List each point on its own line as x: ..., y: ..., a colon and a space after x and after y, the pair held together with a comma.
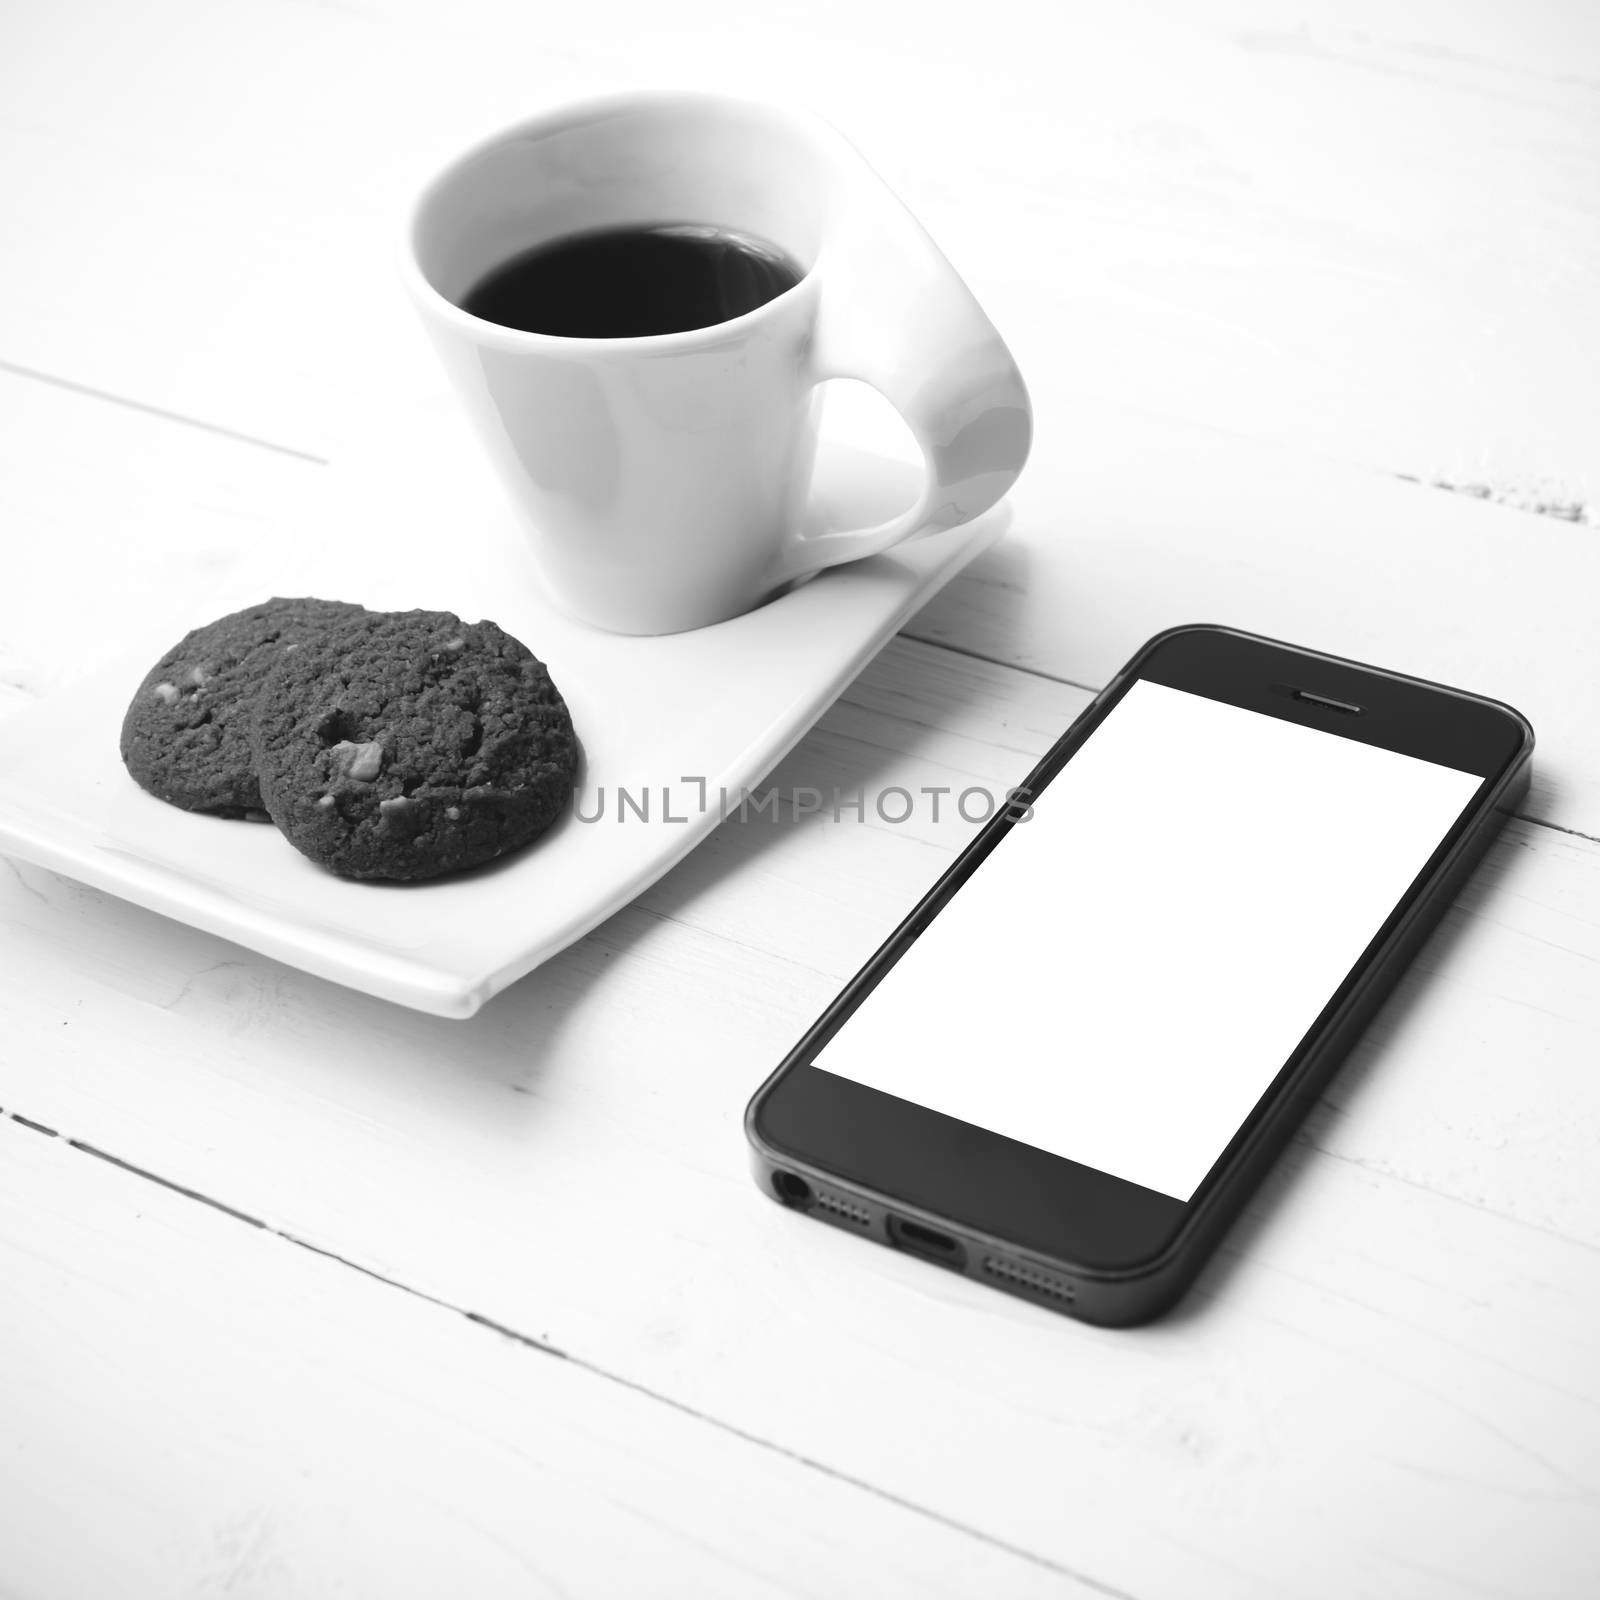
x: 1066, y: 1070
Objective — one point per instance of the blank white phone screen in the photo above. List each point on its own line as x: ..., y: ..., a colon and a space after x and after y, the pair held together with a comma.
x: 1126, y: 973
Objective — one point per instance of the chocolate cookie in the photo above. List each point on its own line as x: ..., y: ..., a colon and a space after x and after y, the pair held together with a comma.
x: 405, y: 744
x: 186, y: 734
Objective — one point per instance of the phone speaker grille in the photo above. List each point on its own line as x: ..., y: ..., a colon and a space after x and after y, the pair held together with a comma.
x: 1029, y: 1280
x: 845, y: 1210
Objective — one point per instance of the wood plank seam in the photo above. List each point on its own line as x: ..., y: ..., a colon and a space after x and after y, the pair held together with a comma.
x: 161, y: 412
x: 605, y: 1374
x: 1305, y: 1139
x: 1532, y: 500
x: 1577, y: 833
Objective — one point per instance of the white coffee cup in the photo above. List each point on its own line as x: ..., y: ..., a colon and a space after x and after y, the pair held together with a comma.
x: 663, y: 480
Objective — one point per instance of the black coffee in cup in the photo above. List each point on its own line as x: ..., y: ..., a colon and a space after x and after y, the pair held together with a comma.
x: 625, y: 283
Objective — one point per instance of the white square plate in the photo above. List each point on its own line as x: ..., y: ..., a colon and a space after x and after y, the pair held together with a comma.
x: 416, y: 521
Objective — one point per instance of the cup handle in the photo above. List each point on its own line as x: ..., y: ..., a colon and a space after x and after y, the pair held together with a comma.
x: 893, y: 313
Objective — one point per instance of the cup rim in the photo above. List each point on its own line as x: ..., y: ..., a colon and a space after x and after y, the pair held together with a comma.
x: 424, y: 293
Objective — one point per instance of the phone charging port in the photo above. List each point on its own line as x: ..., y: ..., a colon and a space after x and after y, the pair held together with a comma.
x: 917, y: 1240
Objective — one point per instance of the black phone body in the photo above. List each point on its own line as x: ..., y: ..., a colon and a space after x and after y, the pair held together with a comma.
x: 1067, y: 1068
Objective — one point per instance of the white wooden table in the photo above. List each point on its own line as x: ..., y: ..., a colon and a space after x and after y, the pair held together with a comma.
x: 302, y: 1294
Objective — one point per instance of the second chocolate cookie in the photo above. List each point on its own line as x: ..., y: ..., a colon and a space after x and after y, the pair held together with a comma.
x: 408, y: 744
